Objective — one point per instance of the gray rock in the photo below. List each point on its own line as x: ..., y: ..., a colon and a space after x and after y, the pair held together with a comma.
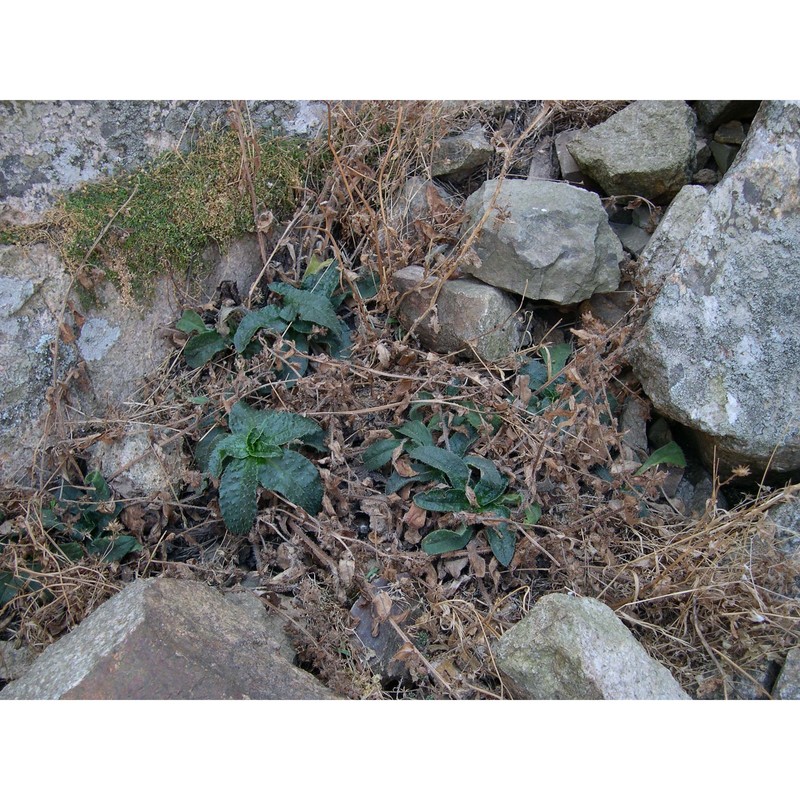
x: 544, y: 240
x: 787, y: 687
x: 116, y: 345
x: 14, y: 661
x: 460, y: 155
x: 51, y: 147
x: 658, y: 258
x: 544, y: 163
x: 163, y: 639
x: 570, y: 170
x: 632, y: 237
x: 575, y: 648
x: 147, y: 467
x: 646, y: 149
x: 470, y: 316
x: 32, y: 288
x: 706, y: 177
x: 724, y: 331
x: 414, y: 203
x: 711, y: 113
x: 730, y: 133
x: 724, y: 154
x: 785, y: 520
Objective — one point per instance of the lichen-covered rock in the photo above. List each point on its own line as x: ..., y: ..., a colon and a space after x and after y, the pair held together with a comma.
x: 575, y: 648
x: 470, y: 317
x: 51, y: 147
x: 658, y: 259
x: 720, y: 352
x: 543, y: 240
x: 646, y: 149
x: 787, y: 686
x: 165, y: 639
x: 32, y: 287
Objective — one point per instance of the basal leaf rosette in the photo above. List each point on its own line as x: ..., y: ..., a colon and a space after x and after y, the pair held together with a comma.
x: 256, y: 452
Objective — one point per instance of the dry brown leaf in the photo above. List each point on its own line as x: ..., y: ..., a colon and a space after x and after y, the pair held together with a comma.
x: 381, y: 606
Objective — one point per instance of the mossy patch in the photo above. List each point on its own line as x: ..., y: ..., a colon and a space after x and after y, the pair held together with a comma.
x: 171, y: 210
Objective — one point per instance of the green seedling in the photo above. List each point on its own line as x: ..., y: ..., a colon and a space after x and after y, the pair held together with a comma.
x: 84, y: 521
x: 257, y: 452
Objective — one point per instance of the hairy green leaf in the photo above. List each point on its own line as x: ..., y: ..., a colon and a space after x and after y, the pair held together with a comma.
x: 443, y: 500
x: 533, y: 513
x: 233, y: 445
x: 379, y: 453
x: 453, y: 467
x: 282, y: 427
x: 266, y: 317
x: 204, y: 448
x: 98, y: 483
x: 113, y: 548
x: 445, y: 540
x: 491, y: 484
x: 502, y: 541
x: 200, y: 349
x: 191, y: 322
x: 309, y: 306
x: 238, y: 494
x: 670, y: 453
x: 294, y: 477
x: 416, y: 431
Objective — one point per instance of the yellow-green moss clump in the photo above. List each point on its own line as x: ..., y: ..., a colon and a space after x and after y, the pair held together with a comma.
x: 171, y: 209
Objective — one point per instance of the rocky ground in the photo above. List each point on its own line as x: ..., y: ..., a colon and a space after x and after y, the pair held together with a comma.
x: 545, y: 355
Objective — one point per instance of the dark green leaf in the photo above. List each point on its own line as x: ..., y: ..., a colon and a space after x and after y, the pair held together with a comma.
x: 555, y: 357
x: 309, y: 306
x: 282, y: 427
x: 453, y: 467
x: 379, y: 453
x: 369, y: 286
x: 10, y: 586
x: 670, y: 453
x: 200, y: 349
x: 533, y: 513
x: 233, y: 445
x: 416, y: 431
x: 72, y: 551
x: 204, y: 448
x: 98, y: 483
x: 266, y: 317
x: 424, y: 475
x: 324, y: 281
x: 502, y: 541
x: 445, y: 540
x: 491, y: 484
x: 191, y: 322
x: 113, y: 548
x: 238, y: 495
x: 536, y: 372
x: 294, y: 477
x: 443, y: 500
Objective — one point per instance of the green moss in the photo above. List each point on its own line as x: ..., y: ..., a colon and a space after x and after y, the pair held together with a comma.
x: 172, y: 209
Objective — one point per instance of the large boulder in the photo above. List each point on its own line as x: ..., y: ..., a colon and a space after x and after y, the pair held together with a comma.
x: 543, y: 240
x: 720, y: 352
x: 575, y: 648
x: 164, y: 639
x: 657, y: 260
x: 646, y: 149
x: 33, y: 284
x: 50, y: 147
